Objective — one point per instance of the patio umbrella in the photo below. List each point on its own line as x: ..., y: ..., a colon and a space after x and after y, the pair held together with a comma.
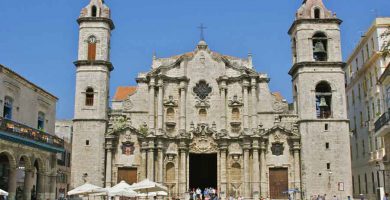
x: 3, y: 193
x: 147, y: 186
x: 122, y: 189
x: 153, y: 194
x: 86, y: 189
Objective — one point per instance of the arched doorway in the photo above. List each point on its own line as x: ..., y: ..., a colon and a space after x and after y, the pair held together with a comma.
x: 4, y: 172
x: 23, y: 178
x: 203, y: 171
x: 37, y: 188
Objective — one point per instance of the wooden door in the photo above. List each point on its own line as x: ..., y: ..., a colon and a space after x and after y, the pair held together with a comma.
x: 127, y: 174
x: 278, y: 183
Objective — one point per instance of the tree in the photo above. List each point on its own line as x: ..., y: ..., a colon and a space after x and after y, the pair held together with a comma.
x: 385, y: 36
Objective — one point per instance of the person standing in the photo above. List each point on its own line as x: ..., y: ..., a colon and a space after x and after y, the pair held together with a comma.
x: 386, y: 197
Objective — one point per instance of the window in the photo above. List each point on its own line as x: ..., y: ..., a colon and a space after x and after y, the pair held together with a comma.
x: 373, y: 182
x: 360, y: 189
x: 328, y: 166
x: 326, y: 127
x: 317, y: 13
x: 357, y: 64
x: 361, y: 119
x: 353, y: 97
x: 378, y: 105
x: 368, y: 112
x: 7, y: 112
x: 323, y: 100
x: 353, y: 184
x: 89, y: 97
x: 92, y: 48
x: 327, y: 145
x: 363, y: 57
x: 367, y: 51
x: 365, y: 86
x: 359, y: 93
x: 371, y: 83
x: 87, y: 142
x: 364, y: 148
x: 320, y: 46
x: 373, y: 110
x: 41, y: 121
x: 366, y: 183
x: 376, y: 73
x: 94, y: 11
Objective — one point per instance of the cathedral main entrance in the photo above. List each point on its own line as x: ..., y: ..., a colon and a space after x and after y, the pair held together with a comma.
x: 203, y: 171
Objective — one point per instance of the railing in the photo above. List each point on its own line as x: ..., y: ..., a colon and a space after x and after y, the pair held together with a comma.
x: 382, y: 121
x: 27, y: 132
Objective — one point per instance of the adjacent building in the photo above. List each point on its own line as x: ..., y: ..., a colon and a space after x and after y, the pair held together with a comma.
x: 28, y: 147
x: 366, y: 102
x: 205, y: 119
x: 64, y: 130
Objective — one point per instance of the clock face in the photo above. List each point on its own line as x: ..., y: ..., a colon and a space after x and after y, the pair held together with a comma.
x: 92, y: 39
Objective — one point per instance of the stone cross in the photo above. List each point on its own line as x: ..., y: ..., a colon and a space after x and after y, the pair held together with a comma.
x: 202, y: 28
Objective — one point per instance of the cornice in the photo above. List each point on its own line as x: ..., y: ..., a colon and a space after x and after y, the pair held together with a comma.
x: 94, y: 62
x: 313, y: 21
x: 97, y: 19
x: 298, y: 65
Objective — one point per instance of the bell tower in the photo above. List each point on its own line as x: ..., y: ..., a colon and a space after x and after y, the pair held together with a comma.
x: 320, y: 101
x: 93, y: 69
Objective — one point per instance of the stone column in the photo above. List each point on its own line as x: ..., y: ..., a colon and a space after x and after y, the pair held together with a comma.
x: 160, y: 104
x: 160, y: 162
x: 254, y: 103
x: 12, y: 183
x: 223, y: 103
x: 256, y: 171
x: 28, y: 183
x: 223, y: 172
x: 183, y: 168
x: 264, y: 170
x: 151, y: 161
x: 41, y: 186
x: 53, y: 185
x: 182, y: 119
x: 109, y: 163
x: 151, y: 104
x: 297, y: 174
x: 247, y: 173
x: 245, y: 86
x: 143, y: 161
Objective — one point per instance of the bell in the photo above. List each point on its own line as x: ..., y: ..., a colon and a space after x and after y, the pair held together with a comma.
x: 319, y: 51
x: 323, y: 102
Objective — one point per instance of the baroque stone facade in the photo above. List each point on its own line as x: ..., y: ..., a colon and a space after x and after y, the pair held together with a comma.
x: 202, y: 112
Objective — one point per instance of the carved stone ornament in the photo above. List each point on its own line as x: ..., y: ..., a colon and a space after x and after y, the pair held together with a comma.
x: 235, y: 102
x: 202, y: 89
x: 277, y: 149
x: 119, y: 124
x: 128, y: 148
x: 203, y: 139
x: 128, y: 105
x: 170, y: 102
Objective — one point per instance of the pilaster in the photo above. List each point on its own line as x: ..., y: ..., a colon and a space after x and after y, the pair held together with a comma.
x: 152, y: 104
x: 183, y: 99
x: 264, y: 171
x: 245, y: 86
x: 256, y: 170
x: 150, y: 168
x: 160, y: 107
x: 247, y: 179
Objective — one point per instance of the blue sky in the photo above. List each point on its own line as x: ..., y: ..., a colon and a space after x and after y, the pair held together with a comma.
x: 38, y: 39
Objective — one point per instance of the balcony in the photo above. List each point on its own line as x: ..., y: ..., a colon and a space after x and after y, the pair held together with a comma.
x: 382, y: 125
x: 377, y: 155
x: 19, y: 133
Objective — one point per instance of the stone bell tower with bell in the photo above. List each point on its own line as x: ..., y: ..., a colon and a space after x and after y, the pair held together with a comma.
x: 320, y: 101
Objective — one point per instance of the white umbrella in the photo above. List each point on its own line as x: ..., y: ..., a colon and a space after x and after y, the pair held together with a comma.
x: 121, y: 189
x: 147, y: 186
x: 86, y: 189
x: 3, y: 193
x: 153, y: 194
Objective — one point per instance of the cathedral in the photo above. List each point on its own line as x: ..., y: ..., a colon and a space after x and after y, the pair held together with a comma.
x: 205, y: 119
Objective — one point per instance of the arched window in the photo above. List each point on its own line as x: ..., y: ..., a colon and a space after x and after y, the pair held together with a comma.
x: 235, y: 114
x: 320, y: 47
x: 317, y: 13
x: 7, y: 112
x: 170, y: 114
x: 202, y: 114
x: 92, y: 48
x: 41, y: 121
x: 89, y: 97
x: 94, y: 11
x: 323, y: 100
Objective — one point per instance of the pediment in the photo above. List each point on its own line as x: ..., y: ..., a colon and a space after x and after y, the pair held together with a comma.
x: 282, y: 130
